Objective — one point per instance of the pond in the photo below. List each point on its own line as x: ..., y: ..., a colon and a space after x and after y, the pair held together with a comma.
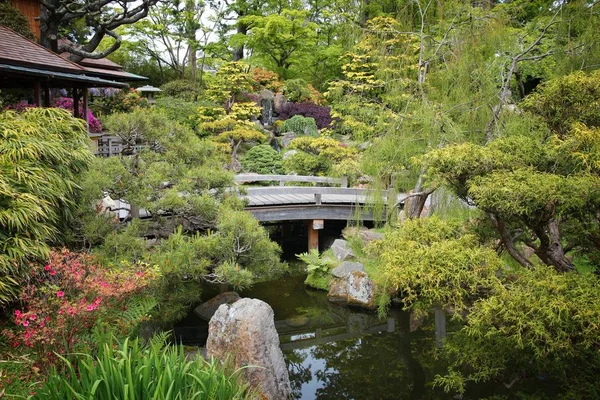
x: 334, y: 352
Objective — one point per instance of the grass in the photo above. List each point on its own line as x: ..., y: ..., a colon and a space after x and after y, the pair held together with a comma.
x: 130, y: 370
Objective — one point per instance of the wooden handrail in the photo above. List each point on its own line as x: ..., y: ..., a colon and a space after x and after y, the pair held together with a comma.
x: 282, y: 179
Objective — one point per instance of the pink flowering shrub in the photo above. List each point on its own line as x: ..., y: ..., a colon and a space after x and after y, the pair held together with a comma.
x: 66, y: 103
x: 20, y: 106
x: 68, y: 296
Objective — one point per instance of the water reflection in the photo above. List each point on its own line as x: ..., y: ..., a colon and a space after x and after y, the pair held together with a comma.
x: 334, y: 352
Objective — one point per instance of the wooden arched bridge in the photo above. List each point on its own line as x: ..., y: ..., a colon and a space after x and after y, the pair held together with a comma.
x: 278, y: 203
x: 310, y: 203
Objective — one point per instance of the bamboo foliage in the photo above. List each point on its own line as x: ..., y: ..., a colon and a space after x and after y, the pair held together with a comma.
x: 41, y: 152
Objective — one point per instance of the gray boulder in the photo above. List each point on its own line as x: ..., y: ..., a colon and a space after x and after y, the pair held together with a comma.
x: 287, y: 138
x: 341, y: 250
x: 342, y: 270
x: 207, y: 309
x: 279, y: 102
x: 356, y: 289
x: 244, y: 332
x: 266, y: 94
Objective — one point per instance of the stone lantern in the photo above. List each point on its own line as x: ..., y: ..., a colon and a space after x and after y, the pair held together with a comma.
x: 148, y: 92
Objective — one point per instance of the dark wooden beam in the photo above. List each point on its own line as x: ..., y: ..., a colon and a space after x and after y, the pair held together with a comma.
x: 37, y: 93
x: 310, y: 212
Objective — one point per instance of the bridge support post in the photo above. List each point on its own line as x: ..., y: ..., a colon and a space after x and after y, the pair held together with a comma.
x: 313, y: 233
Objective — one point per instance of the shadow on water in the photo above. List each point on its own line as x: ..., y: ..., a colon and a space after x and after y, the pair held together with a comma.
x: 335, y: 352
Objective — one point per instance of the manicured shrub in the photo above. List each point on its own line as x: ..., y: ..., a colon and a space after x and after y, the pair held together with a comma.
x: 298, y: 90
x: 263, y: 159
x: 321, y: 114
x: 301, y: 126
x: 265, y: 79
x: 317, y: 156
x: 182, y: 89
x: 181, y: 110
x: 130, y: 370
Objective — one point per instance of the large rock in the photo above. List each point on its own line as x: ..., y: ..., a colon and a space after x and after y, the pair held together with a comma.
x: 341, y: 250
x: 287, y: 138
x: 207, y: 309
x: 279, y: 102
x: 356, y: 289
x: 342, y: 270
x: 245, y: 333
x: 361, y: 291
x: 365, y: 235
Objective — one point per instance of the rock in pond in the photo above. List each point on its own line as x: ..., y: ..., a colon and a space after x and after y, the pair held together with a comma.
x: 342, y: 270
x: 207, y: 309
x: 341, y: 250
x: 355, y: 289
x: 245, y: 333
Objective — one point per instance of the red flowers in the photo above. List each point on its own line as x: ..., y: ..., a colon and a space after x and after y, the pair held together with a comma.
x: 54, y: 320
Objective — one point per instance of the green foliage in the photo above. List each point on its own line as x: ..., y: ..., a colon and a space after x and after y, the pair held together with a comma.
x: 318, y: 156
x: 318, y: 268
x: 301, y: 126
x: 181, y: 111
x: 431, y: 262
x: 181, y: 89
x: 129, y: 369
x: 12, y: 18
x: 263, y: 159
x: 280, y: 39
x: 299, y: 91
x: 41, y: 153
x: 526, y: 183
x: 229, y: 81
x: 539, y: 322
x: 567, y: 100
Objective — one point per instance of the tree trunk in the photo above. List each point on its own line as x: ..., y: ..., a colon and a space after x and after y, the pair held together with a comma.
x: 551, y: 251
x: 48, y: 28
x: 508, y: 241
x: 238, y: 52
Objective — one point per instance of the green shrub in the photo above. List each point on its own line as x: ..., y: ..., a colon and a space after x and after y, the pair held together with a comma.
x: 263, y: 159
x: 133, y: 371
x: 181, y: 110
x: 182, y: 89
x: 301, y: 126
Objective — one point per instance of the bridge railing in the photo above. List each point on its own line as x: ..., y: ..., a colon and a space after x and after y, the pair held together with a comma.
x: 283, y: 179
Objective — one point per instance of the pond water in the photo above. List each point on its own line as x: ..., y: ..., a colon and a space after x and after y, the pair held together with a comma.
x: 334, y: 352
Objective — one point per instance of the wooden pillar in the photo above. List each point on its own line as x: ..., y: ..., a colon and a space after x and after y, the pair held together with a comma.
x: 46, y: 96
x: 314, y: 227
x: 76, y: 113
x: 85, y: 106
x: 37, y: 93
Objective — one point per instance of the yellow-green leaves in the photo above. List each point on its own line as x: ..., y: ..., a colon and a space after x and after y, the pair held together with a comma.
x: 430, y: 262
x: 41, y: 153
